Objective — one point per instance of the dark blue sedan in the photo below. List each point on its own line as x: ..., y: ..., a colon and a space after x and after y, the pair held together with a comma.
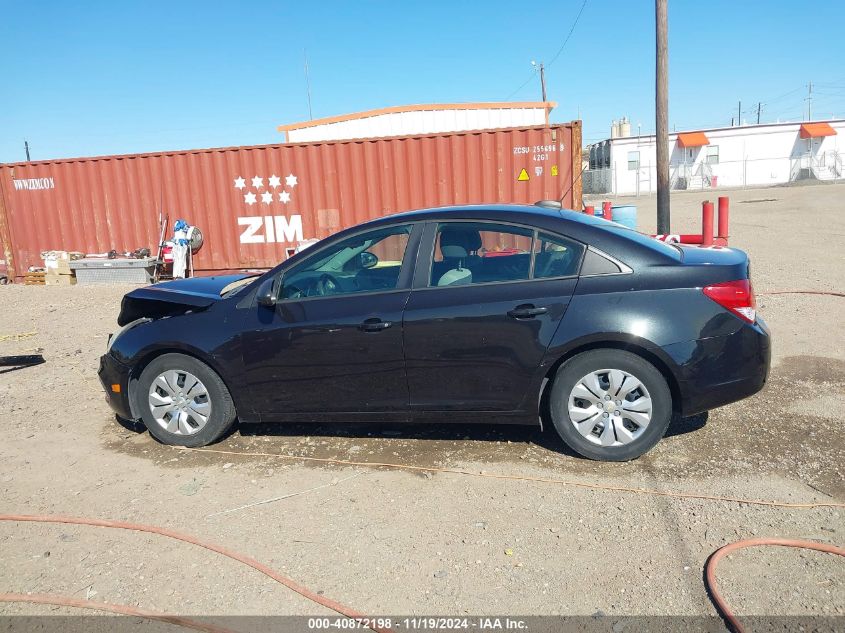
x: 492, y: 314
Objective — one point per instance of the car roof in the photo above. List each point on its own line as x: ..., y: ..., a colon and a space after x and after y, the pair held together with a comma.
x: 614, y: 239
x: 517, y: 211
x: 582, y: 227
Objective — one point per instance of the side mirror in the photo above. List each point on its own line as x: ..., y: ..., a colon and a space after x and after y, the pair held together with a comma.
x: 266, y: 297
x: 368, y: 260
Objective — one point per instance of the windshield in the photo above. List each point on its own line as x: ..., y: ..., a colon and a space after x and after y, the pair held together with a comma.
x: 236, y: 285
x: 335, y: 260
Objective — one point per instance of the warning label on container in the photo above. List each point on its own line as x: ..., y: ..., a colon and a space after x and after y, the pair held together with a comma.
x: 523, y: 175
x: 554, y: 170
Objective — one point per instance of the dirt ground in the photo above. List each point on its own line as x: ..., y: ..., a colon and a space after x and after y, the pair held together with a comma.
x: 400, y: 542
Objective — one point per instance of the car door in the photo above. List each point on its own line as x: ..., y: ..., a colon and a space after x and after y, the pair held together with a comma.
x: 333, y: 341
x: 486, y: 301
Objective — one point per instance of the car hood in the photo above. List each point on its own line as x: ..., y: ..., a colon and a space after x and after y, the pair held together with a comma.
x: 174, y: 297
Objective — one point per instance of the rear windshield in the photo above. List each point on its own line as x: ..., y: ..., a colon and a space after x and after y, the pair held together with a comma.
x: 644, y: 240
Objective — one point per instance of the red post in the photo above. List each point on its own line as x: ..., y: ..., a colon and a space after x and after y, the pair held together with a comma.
x: 607, y: 210
x: 707, y: 223
x: 724, y: 217
x: 590, y: 210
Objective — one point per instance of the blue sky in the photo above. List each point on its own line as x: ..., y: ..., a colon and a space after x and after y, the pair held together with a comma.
x: 93, y: 78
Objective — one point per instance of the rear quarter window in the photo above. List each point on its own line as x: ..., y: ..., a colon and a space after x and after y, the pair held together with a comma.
x: 595, y: 264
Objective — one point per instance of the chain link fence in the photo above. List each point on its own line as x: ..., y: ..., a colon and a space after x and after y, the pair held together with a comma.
x: 749, y: 172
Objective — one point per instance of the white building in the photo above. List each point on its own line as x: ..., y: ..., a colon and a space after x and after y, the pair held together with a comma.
x: 748, y: 155
x: 409, y: 120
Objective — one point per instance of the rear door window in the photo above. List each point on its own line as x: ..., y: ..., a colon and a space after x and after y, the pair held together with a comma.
x: 482, y: 252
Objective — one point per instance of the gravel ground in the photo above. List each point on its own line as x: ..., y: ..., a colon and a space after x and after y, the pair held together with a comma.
x: 400, y: 542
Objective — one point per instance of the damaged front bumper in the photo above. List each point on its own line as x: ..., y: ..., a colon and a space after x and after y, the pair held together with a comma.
x: 115, y: 378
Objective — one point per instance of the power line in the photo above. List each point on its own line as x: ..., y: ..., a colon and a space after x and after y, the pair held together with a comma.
x: 524, y: 83
x: 795, y: 101
x: 574, y: 24
x: 767, y: 102
x: 785, y: 94
x: 559, y: 51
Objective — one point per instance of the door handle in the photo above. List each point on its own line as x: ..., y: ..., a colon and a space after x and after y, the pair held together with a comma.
x: 374, y: 325
x: 526, y: 311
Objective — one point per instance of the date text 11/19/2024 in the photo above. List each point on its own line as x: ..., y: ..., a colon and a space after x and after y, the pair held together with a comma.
x: 420, y: 623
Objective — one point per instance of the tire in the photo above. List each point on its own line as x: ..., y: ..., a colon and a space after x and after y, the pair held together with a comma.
x: 578, y: 405
x: 187, y: 414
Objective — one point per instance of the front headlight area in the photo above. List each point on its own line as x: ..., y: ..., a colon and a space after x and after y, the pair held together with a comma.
x: 114, y: 336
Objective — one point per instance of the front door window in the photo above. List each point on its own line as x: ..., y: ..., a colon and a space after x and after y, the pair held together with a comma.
x: 367, y: 262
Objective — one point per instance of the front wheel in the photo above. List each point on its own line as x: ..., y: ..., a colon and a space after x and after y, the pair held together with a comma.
x: 183, y: 401
x: 610, y: 405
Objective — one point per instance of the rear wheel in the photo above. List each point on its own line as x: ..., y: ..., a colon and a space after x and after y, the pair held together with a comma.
x: 183, y: 402
x: 610, y: 405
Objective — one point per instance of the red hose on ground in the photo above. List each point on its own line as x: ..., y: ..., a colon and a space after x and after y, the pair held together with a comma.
x: 119, y: 609
x: 186, y: 538
x: 710, y: 574
x: 719, y: 554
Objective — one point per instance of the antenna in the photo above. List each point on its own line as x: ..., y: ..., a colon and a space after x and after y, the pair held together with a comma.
x: 307, y: 85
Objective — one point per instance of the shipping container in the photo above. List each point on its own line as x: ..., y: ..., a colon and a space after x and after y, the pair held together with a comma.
x: 255, y: 204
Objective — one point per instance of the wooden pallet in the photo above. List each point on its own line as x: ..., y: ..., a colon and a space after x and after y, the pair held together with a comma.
x: 35, y: 279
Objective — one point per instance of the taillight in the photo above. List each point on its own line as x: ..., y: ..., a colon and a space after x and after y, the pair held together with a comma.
x: 736, y: 296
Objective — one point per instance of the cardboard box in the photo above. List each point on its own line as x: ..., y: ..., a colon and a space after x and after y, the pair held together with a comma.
x: 56, y: 279
x: 58, y: 266
x: 57, y: 261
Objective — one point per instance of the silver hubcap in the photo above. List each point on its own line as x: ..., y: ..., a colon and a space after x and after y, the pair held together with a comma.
x: 179, y: 402
x: 610, y: 407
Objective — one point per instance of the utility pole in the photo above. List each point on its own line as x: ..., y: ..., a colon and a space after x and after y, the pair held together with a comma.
x: 307, y: 85
x: 810, y: 101
x: 541, y: 68
x: 26, y: 147
x: 662, y: 114
x: 739, y: 113
x: 759, y: 107
x: 543, y: 80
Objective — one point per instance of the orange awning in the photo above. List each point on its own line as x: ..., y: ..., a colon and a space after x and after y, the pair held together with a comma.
x: 815, y: 130
x: 693, y: 139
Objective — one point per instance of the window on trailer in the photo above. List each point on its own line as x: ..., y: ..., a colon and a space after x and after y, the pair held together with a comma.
x: 712, y: 155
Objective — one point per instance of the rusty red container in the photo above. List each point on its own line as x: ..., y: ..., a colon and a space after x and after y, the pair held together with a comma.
x: 255, y: 204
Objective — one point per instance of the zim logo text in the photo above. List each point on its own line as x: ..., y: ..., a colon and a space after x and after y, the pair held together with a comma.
x: 271, y: 228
